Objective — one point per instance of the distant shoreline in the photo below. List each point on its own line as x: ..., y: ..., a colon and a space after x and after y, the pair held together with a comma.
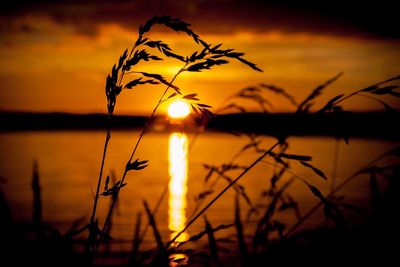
x: 374, y: 124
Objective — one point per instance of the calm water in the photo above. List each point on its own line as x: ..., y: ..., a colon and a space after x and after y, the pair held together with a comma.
x: 69, y: 162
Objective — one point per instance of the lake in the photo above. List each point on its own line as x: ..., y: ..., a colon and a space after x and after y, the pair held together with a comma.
x: 69, y: 161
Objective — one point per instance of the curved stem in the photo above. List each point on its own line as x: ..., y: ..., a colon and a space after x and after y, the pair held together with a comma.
x: 99, y: 180
x: 108, y: 136
x: 361, y: 90
x: 335, y: 164
x: 345, y: 182
x: 152, y: 116
x: 338, y: 188
x: 221, y: 194
x: 370, y: 97
x: 201, y: 201
x: 287, y: 170
x: 165, y: 190
x: 154, y: 211
x: 109, y: 214
x: 96, y: 196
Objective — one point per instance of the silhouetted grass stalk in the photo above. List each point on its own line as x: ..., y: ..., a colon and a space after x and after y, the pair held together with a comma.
x: 314, y: 94
x: 361, y: 90
x: 213, y: 184
x: 96, y: 196
x: 103, y: 158
x: 331, y: 194
x: 109, y: 214
x: 335, y: 163
x: 211, y: 202
x: 205, y: 59
x: 286, y: 170
x: 107, y: 140
x: 304, y: 106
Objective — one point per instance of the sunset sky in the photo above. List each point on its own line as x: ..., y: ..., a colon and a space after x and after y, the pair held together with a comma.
x: 55, y: 55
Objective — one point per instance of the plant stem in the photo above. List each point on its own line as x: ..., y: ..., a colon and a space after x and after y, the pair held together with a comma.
x: 107, y: 140
x: 286, y: 170
x: 108, y: 136
x: 221, y: 193
x: 213, y: 184
x: 165, y: 190
x: 335, y: 164
x: 109, y: 214
x: 96, y: 197
x: 359, y: 91
x: 152, y: 116
x: 154, y: 211
x: 338, y: 188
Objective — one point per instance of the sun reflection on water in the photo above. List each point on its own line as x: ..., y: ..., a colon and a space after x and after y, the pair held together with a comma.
x: 178, y: 172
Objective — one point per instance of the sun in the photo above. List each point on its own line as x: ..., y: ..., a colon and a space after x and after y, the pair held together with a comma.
x: 178, y: 109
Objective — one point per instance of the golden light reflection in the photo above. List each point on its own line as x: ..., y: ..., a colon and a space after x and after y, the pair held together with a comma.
x: 178, y: 172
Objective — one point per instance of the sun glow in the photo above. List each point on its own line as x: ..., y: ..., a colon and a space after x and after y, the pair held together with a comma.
x: 178, y: 109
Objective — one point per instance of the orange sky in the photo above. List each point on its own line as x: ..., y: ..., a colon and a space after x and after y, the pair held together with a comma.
x: 47, y: 65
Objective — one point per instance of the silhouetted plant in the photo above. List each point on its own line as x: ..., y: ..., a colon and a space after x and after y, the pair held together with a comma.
x: 206, y: 58
x: 333, y: 206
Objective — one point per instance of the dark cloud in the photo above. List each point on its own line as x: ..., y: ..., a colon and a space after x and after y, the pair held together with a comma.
x: 340, y: 17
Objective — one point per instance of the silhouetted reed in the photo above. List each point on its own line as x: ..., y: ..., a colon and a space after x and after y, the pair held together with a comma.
x: 206, y: 58
x: 332, y: 206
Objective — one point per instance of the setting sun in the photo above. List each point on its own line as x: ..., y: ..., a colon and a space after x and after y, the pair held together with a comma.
x: 178, y: 109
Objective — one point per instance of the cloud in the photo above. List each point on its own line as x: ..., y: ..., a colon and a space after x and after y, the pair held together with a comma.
x: 338, y: 17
